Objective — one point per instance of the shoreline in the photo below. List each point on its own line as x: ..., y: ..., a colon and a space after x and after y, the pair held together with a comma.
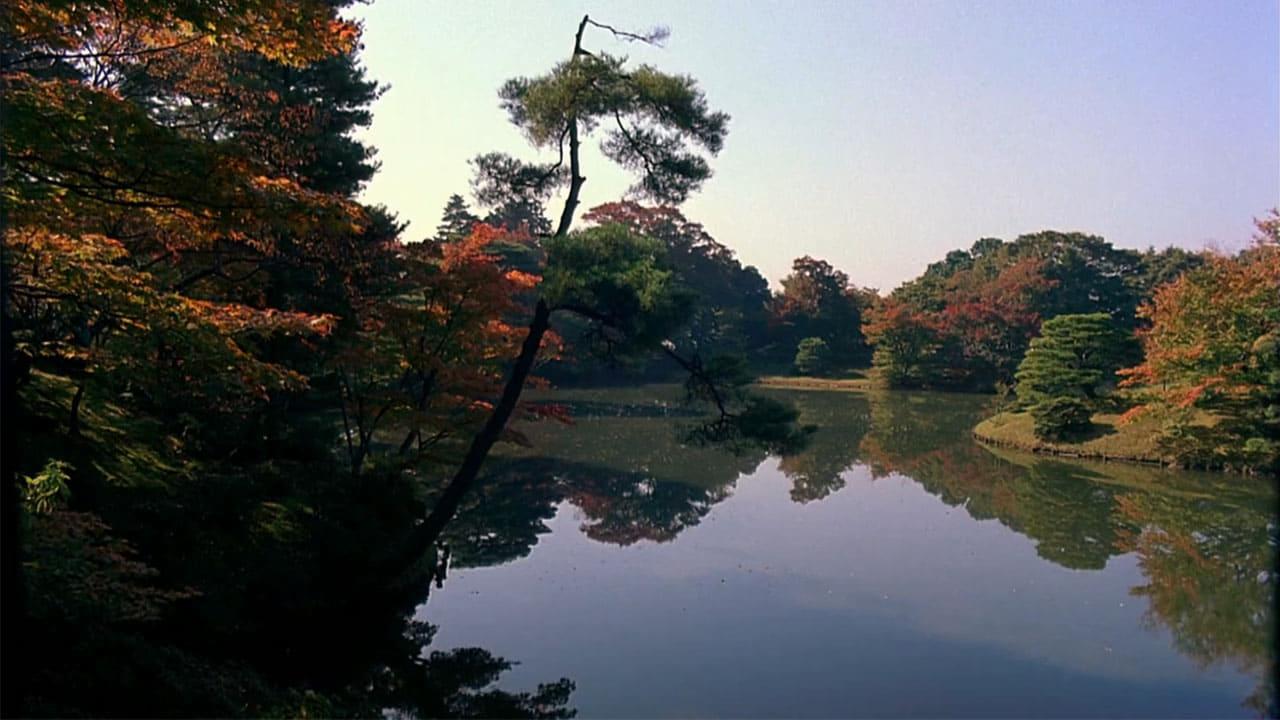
x: 784, y: 382
x: 1050, y: 449
x: 1136, y: 443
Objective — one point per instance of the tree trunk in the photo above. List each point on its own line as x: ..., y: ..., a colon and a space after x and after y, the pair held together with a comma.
x: 575, y: 181
x: 447, y: 506
x: 74, y: 425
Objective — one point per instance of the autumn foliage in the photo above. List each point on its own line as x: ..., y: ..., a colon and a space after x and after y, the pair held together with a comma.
x: 974, y: 339
x: 242, y: 375
x: 1214, y: 344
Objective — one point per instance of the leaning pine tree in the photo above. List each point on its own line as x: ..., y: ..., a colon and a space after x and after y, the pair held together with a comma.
x: 659, y: 127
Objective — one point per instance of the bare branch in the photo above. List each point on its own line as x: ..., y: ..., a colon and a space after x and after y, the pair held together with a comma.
x: 653, y: 36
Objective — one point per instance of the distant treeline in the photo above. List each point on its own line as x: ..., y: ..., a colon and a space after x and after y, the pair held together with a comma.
x: 1170, y: 330
x: 733, y: 311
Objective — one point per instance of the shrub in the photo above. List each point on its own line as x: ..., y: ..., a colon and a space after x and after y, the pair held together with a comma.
x: 1061, y: 418
x: 813, y: 357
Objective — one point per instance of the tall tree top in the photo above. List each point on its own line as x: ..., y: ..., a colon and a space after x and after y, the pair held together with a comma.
x: 656, y: 125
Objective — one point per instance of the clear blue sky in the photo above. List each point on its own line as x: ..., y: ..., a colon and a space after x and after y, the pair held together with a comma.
x: 880, y: 135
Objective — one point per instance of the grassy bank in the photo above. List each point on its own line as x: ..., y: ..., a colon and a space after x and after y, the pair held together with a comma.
x: 1108, y: 440
x: 790, y: 382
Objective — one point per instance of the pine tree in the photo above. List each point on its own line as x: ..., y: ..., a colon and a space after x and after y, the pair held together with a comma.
x: 520, y: 215
x: 813, y: 356
x: 1075, y: 356
x: 456, y: 222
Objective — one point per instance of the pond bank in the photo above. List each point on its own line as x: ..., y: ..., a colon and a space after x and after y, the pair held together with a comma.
x: 816, y: 383
x: 1109, y: 441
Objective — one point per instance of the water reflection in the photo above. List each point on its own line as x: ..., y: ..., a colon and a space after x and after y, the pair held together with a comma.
x: 842, y: 421
x: 1209, y: 569
x: 1202, y: 544
x: 458, y: 683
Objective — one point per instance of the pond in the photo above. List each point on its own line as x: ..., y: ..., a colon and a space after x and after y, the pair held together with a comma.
x: 894, y: 568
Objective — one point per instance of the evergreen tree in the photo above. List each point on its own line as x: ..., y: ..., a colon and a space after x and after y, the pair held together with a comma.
x: 1061, y: 418
x: 456, y: 221
x: 1075, y: 356
x: 731, y: 313
x: 615, y: 280
x: 813, y: 357
x: 520, y: 214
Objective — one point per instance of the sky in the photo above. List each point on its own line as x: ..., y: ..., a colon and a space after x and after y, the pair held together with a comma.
x: 877, y: 135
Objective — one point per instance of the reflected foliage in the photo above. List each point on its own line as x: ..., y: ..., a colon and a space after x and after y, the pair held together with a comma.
x: 458, y: 683
x: 1210, y: 571
x: 842, y: 421
x: 619, y: 507
x: 501, y: 520
x: 1205, y: 543
x: 625, y: 509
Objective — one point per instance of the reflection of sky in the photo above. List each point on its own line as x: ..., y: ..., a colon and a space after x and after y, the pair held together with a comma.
x: 879, y: 600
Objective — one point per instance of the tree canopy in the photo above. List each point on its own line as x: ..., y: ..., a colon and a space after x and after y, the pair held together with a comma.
x: 1213, y: 344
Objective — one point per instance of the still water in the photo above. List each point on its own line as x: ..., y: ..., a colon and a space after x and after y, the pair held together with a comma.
x: 894, y: 568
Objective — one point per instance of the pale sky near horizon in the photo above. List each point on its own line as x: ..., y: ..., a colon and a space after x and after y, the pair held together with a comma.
x: 878, y: 135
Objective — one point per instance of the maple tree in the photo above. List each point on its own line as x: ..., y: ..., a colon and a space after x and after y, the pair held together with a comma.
x: 906, y: 343
x: 817, y: 300
x: 186, y: 276
x: 974, y: 339
x: 134, y: 183
x: 1212, y: 345
x: 431, y: 349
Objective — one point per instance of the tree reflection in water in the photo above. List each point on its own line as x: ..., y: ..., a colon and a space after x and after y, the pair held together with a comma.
x: 1205, y: 544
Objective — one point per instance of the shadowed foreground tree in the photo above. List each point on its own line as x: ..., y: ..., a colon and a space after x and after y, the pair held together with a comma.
x: 184, y: 263
x: 616, y: 280
x: 125, y: 189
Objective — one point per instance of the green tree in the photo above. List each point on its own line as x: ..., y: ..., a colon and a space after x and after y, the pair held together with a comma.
x: 1061, y: 418
x: 520, y: 215
x: 1165, y: 266
x: 614, y: 279
x: 1075, y: 356
x: 731, y: 310
x: 456, y: 222
x: 813, y: 357
x: 526, y: 222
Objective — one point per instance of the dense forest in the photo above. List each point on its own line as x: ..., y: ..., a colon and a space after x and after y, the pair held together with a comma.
x: 239, y: 403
